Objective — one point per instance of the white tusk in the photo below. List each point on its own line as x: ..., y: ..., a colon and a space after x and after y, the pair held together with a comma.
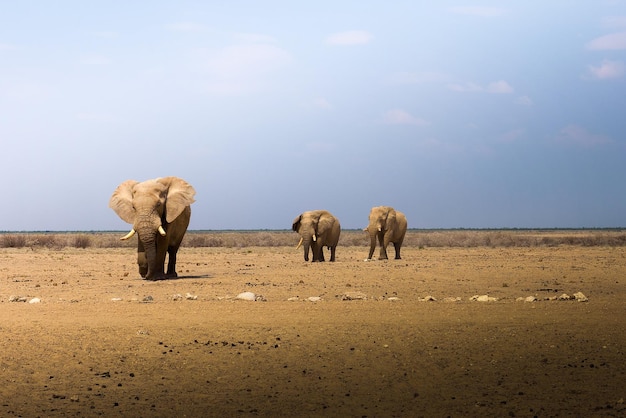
x: 380, y: 229
x: 161, y: 231
x: 127, y: 236
x: 314, y: 238
x: 300, y: 243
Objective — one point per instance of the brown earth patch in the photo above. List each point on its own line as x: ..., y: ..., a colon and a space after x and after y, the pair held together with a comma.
x: 93, y: 346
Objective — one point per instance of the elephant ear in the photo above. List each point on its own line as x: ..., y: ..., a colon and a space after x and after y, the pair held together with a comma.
x: 180, y: 194
x: 390, y: 223
x: 295, y: 225
x: 325, y: 222
x: 122, y: 201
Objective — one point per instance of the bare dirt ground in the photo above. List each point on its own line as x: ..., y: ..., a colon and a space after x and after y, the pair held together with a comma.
x: 93, y: 346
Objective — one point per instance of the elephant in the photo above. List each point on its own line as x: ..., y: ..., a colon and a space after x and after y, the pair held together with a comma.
x: 388, y: 225
x: 317, y: 229
x: 159, y: 211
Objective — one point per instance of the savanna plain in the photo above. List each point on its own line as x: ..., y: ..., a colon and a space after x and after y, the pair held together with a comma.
x: 84, y: 335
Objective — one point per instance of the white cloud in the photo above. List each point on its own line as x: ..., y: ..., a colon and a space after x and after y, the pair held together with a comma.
x: 499, y: 87
x: 614, y: 22
x: 95, y: 59
x: 402, y: 117
x: 7, y: 47
x: 576, y: 135
x: 418, y: 78
x: 243, y: 60
x: 191, y: 27
x: 607, y: 70
x: 511, y: 136
x: 495, y: 87
x: 614, y: 41
x: 106, y: 34
x: 320, y: 147
x: 322, y: 103
x: 242, y: 68
x: 478, y: 11
x: 25, y: 92
x: 352, y: 37
x: 524, y: 101
x: 254, y: 38
x: 94, y: 117
x: 464, y: 88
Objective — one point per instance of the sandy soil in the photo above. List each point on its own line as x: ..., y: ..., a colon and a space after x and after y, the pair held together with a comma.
x: 83, y: 352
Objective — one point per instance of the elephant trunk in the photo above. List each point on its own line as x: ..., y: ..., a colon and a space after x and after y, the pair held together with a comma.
x: 306, y: 243
x: 149, y: 228
x: 373, y: 234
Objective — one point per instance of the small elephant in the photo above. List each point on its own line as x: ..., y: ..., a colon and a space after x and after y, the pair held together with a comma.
x: 389, y: 225
x: 159, y: 211
x: 317, y: 229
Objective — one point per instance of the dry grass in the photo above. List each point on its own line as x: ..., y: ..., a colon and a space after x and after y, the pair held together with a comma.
x: 414, y: 238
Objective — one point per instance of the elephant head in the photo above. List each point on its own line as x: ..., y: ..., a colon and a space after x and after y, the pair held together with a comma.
x: 159, y: 212
x: 317, y: 229
x: 388, y: 225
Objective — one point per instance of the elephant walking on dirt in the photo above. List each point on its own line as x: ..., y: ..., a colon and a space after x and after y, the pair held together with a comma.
x: 388, y: 225
x: 317, y: 229
x: 159, y: 211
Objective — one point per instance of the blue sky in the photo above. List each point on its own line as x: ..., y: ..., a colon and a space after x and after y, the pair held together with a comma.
x: 460, y: 114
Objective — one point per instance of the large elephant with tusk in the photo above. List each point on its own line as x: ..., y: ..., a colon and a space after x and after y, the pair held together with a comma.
x: 317, y: 229
x: 389, y: 226
x: 159, y: 211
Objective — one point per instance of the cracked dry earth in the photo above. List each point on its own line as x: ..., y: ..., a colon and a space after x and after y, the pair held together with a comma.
x: 94, y: 347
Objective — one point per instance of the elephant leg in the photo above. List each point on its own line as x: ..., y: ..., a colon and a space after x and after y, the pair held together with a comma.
x: 321, y: 258
x: 315, y: 251
x: 397, y: 247
x: 159, y: 260
x: 171, y: 263
x: 142, y: 260
x: 332, y: 253
x: 383, y: 247
x: 372, y: 246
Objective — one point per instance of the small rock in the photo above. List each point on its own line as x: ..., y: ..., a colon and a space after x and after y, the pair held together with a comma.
x: 565, y: 296
x: 177, y: 296
x: 189, y: 296
x: 246, y: 296
x: 428, y: 299
x: 483, y: 298
x: 354, y: 296
x: 35, y: 300
x: 580, y: 297
x: 293, y: 299
x: 14, y: 298
x: 147, y: 299
x: 74, y: 398
x: 394, y: 299
x: 116, y: 299
x: 530, y: 299
x: 314, y: 299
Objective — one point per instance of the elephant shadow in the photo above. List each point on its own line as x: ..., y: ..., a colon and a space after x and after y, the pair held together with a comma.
x: 182, y: 277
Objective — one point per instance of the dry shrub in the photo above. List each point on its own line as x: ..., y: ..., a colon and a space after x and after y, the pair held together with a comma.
x: 349, y: 238
x: 52, y: 241
x: 82, y: 241
x: 13, y: 241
